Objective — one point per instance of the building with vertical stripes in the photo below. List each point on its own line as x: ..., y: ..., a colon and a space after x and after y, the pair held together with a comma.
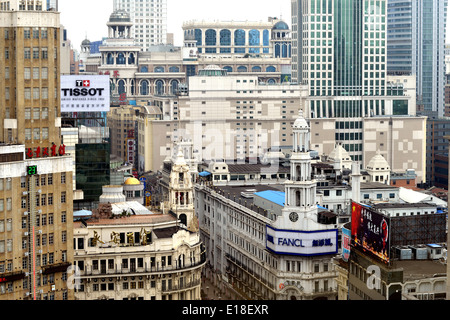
x: 36, y: 191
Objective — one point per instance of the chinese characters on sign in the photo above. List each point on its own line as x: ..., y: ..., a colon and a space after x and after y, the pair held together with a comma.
x: 370, y: 231
x: 46, y: 152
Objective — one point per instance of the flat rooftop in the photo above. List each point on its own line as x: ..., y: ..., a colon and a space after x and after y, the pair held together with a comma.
x: 258, y: 168
x: 235, y: 193
x: 376, y: 185
x: 402, y: 205
x: 418, y: 269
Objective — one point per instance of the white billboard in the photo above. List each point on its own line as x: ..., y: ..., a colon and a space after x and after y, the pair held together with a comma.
x: 302, y: 243
x: 85, y: 93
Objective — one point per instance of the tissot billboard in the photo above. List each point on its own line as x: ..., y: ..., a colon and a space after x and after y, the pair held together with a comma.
x: 302, y: 243
x: 370, y: 231
x: 83, y: 93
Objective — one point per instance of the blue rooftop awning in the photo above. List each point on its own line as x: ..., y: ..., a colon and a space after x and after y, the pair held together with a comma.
x: 204, y: 174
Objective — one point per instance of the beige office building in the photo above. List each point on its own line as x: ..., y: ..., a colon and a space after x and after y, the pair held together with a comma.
x: 35, y: 174
x: 226, y: 117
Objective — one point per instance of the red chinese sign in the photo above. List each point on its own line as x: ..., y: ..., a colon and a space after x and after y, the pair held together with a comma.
x: 46, y: 152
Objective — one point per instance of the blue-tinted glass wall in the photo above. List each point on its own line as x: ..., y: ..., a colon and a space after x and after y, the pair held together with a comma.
x: 416, y: 43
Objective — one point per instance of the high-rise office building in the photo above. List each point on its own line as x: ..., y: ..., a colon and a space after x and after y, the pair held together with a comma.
x: 35, y: 175
x: 339, y: 52
x: 149, y: 19
x: 416, y: 33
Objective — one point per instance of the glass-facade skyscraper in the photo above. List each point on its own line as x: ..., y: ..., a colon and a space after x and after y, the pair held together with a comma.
x: 416, y: 43
x: 339, y: 51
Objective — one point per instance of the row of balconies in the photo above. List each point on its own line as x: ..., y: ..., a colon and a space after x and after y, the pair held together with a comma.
x: 180, y: 287
x: 103, y: 271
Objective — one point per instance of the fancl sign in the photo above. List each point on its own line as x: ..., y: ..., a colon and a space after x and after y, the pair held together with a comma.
x: 302, y: 243
x: 85, y: 93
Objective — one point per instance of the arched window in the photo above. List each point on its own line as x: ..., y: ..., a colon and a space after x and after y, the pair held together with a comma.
x: 144, y: 69
x: 109, y: 59
x: 183, y: 219
x: 174, y: 87
x: 225, y: 37
x: 198, y: 36
x: 120, y: 58
x: 159, y: 87
x: 271, y: 69
x: 271, y: 81
x: 131, y: 59
x: 239, y: 37
x: 121, y: 87
x: 228, y: 69
x: 242, y: 69
x: 277, y: 51
x: 159, y: 69
x: 253, y: 38
x: 285, y: 53
x: 256, y: 69
x: 144, y: 88
x: 210, y: 37
x: 174, y: 69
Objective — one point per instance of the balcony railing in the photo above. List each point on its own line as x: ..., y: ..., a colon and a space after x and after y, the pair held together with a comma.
x: 180, y: 287
x: 122, y: 270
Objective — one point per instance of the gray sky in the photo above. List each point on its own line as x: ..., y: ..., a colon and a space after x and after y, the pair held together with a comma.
x: 88, y: 18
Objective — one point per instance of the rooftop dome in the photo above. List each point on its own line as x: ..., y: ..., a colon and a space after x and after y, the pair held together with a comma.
x: 378, y: 162
x: 300, y: 123
x: 339, y: 153
x: 85, y: 42
x: 280, y: 26
x: 132, y: 181
x: 120, y: 16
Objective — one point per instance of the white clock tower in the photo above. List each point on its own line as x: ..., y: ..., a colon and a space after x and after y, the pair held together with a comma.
x: 300, y: 211
x: 296, y: 237
x: 181, y: 200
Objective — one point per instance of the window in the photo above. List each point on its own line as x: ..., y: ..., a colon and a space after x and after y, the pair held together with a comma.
x: 63, y: 197
x: 44, y: 73
x: 36, y: 134
x: 35, y: 33
x: 35, y: 53
x: 27, y: 73
x: 36, y: 113
x: 44, y: 113
x: 27, y: 33
x: 36, y: 73
x: 44, y: 133
x: 44, y: 93
x: 27, y: 93
x: 44, y: 53
x: 27, y: 134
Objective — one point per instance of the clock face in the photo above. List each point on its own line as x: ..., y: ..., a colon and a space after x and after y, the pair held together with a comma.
x: 293, y: 216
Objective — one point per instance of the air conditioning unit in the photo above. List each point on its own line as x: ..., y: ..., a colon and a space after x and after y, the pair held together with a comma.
x: 25, y: 193
x: 26, y: 234
x: 25, y: 213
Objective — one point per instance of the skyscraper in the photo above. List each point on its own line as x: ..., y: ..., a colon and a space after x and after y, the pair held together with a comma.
x: 340, y: 54
x: 416, y: 32
x: 35, y: 175
x: 149, y: 19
